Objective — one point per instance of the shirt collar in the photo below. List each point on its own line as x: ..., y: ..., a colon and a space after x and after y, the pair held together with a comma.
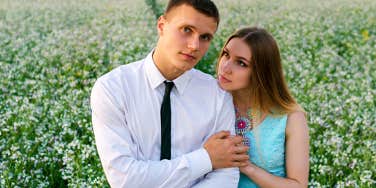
x: 156, y: 78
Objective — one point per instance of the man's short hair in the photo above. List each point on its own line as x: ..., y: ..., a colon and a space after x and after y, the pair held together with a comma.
x: 206, y: 7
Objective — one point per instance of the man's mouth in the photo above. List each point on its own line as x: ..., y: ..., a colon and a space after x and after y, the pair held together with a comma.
x: 188, y: 56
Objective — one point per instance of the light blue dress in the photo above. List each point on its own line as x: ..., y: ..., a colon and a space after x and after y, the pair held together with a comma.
x: 267, y: 148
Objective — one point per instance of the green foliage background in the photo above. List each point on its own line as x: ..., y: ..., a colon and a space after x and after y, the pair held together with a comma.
x: 51, y: 53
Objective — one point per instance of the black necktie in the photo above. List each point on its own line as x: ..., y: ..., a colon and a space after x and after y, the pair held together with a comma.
x: 166, y: 122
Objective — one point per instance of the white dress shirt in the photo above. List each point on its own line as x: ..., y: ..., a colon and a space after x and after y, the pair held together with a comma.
x: 126, y: 106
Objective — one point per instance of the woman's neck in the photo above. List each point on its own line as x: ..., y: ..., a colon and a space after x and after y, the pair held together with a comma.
x: 242, y: 100
x: 243, y: 103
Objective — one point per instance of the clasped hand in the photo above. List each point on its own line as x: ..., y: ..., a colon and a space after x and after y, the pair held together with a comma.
x: 226, y: 150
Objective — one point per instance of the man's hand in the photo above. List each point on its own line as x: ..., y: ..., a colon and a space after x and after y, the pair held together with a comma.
x: 226, y: 150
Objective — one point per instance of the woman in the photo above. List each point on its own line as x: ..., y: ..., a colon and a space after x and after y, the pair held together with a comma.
x: 271, y: 122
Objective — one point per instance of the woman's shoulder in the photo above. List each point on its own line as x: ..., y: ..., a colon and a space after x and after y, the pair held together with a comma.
x: 296, y: 123
x: 296, y: 116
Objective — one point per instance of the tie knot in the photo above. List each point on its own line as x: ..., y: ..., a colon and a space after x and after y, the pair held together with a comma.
x: 169, y: 86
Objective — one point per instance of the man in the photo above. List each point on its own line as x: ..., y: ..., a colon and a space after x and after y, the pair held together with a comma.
x: 152, y: 119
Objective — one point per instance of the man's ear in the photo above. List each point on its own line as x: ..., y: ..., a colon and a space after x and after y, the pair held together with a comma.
x: 160, y: 24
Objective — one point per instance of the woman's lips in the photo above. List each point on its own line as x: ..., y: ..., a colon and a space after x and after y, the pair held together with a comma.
x: 223, y: 79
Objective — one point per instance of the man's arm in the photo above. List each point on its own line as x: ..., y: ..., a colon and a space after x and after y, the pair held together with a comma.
x: 118, y: 152
x: 225, y: 177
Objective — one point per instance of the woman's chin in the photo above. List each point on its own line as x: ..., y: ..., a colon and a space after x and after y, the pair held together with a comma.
x: 224, y: 86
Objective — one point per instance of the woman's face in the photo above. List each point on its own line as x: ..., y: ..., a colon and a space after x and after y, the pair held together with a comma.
x: 234, y: 69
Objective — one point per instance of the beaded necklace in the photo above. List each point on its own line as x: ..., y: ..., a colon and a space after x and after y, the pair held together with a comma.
x: 244, y: 123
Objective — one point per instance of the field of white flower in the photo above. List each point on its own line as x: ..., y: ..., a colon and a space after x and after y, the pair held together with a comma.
x: 51, y: 53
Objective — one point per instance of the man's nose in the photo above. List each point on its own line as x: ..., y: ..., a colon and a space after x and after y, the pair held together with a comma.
x: 194, y: 43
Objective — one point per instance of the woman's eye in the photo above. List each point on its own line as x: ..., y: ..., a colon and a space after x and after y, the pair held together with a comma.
x: 241, y: 63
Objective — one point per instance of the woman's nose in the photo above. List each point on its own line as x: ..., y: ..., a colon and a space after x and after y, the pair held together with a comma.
x: 226, y: 66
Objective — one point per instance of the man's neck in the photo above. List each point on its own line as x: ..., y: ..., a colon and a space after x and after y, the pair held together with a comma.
x: 169, y: 72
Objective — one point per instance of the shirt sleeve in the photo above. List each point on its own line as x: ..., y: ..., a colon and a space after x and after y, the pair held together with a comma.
x: 118, y: 152
x: 227, y: 177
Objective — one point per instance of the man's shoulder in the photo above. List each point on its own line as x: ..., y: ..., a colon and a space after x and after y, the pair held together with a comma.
x: 115, y: 84
x: 207, y: 81
x: 203, y: 77
x: 121, y: 73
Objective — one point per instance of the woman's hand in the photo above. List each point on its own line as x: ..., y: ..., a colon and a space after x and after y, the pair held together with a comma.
x: 249, y: 168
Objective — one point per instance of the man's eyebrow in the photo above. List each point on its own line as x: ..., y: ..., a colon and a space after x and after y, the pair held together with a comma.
x: 204, y: 34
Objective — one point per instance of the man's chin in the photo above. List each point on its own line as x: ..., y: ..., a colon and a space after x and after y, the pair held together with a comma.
x: 188, y: 66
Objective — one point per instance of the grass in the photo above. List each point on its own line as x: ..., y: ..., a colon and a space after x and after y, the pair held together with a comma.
x: 52, y: 52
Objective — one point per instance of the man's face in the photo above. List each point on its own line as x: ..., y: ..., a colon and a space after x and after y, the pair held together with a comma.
x: 184, y: 37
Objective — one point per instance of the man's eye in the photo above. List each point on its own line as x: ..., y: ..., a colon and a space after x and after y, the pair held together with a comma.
x: 186, y: 30
x: 205, y: 37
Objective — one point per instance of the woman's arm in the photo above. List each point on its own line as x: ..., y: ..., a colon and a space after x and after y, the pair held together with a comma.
x: 297, y: 157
